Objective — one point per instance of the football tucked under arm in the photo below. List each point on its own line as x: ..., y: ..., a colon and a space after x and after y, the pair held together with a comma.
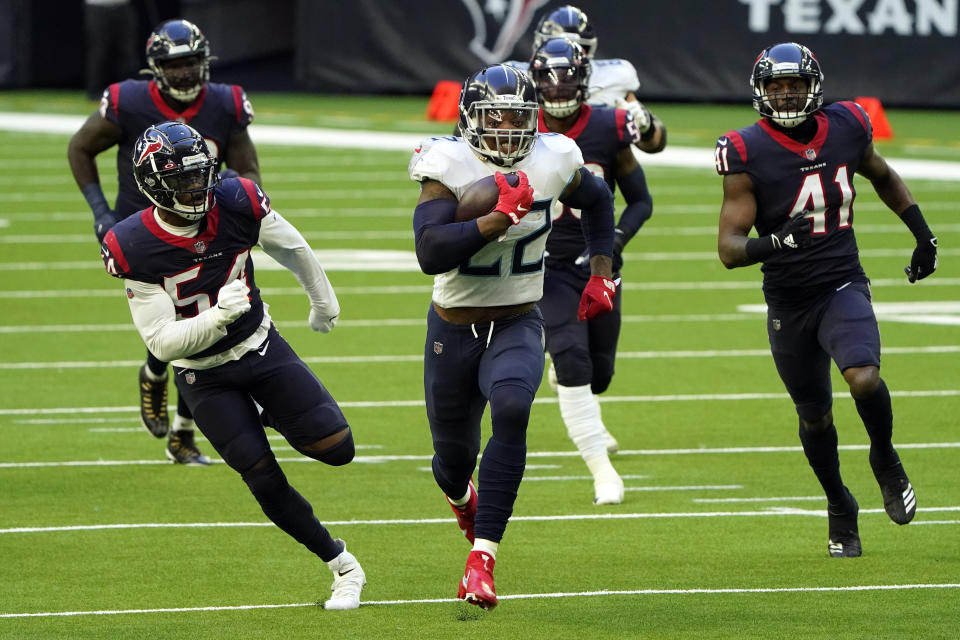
x: 481, y: 197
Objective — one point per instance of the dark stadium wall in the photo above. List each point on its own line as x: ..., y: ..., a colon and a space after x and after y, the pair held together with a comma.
x: 904, y: 52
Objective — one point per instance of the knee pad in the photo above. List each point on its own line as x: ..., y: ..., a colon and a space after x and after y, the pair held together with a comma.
x: 817, y: 425
x: 266, y: 481
x: 510, y: 412
x: 336, y: 455
x: 574, y: 367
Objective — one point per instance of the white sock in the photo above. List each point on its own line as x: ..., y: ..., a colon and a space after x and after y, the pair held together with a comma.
x: 581, y: 414
x: 462, y: 501
x: 182, y: 424
x: 596, y: 401
x: 154, y: 377
x: 487, y: 546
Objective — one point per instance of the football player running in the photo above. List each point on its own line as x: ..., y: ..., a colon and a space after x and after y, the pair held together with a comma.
x: 178, y: 55
x: 790, y: 176
x: 484, y: 342
x: 583, y: 353
x: 187, y: 270
x: 613, y: 81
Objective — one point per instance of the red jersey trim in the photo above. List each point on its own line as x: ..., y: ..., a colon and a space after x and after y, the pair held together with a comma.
x: 800, y: 148
x: 739, y: 144
x: 578, y: 126
x: 116, y: 252
x: 190, y: 244
x: 256, y: 204
x: 855, y: 109
x: 187, y: 115
x: 115, y: 99
x: 237, y: 102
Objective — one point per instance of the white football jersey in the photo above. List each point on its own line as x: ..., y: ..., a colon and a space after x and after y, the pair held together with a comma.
x: 610, y: 79
x: 509, y: 270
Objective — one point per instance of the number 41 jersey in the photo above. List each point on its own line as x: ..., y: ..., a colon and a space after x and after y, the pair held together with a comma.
x: 816, y: 177
x: 192, y: 270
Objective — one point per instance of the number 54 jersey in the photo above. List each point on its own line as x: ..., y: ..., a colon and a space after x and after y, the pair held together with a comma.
x: 192, y: 270
x: 815, y: 177
x: 509, y: 270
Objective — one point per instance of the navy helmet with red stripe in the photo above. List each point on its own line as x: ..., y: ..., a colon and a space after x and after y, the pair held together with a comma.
x: 787, y: 59
x: 174, y: 169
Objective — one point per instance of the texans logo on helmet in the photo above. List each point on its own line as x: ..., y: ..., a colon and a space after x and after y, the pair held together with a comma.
x: 497, y: 26
x: 151, y: 145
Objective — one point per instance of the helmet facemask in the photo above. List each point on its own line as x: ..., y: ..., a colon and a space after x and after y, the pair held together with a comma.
x: 785, y: 61
x: 496, y: 96
x: 174, y: 170
x: 176, y: 40
x: 502, y: 146
x: 561, y: 73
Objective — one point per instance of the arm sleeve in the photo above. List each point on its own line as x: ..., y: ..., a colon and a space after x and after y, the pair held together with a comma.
x: 639, y: 202
x: 156, y: 319
x: 594, y: 199
x: 282, y: 242
x: 443, y: 244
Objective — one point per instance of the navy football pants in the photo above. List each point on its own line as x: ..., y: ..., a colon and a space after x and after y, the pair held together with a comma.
x: 465, y: 367
x: 840, y: 326
x: 582, y: 352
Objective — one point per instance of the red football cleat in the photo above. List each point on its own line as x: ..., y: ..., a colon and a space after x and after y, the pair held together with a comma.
x: 467, y: 513
x: 477, y: 584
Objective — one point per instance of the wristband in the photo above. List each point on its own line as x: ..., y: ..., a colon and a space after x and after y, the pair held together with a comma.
x: 95, y: 198
x: 759, y: 249
x: 912, y: 217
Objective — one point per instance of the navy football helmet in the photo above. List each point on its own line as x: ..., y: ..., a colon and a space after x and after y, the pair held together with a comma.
x: 787, y: 59
x: 561, y: 73
x: 179, y: 39
x: 567, y: 22
x: 494, y: 95
x: 174, y: 169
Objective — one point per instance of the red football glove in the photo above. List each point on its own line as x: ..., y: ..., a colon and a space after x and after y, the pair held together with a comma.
x: 515, y: 201
x: 597, y: 298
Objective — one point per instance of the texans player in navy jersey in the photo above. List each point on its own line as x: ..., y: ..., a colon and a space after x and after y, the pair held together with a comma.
x: 178, y: 55
x: 583, y: 353
x: 790, y: 176
x: 187, y: 270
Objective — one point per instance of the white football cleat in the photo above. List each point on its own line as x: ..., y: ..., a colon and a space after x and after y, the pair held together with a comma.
x: 348, y: 581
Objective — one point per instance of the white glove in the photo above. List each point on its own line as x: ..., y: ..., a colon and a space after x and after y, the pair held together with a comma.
x: 320, y: 321
x: 232, y: 302
x: 639, y: 112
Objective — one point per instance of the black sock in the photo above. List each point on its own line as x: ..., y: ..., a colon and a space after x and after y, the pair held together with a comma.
x: 157, y: 367
x: 821, y: 452
x: 877, y: 415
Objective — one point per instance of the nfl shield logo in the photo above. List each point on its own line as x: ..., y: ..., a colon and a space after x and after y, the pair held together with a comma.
x: 811, y: 154
x: 776, y: 324
x: 191, y: 377
x: 438, y: 348
x: 200, y: 246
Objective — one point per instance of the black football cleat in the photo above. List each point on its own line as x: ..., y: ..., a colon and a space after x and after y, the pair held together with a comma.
x: 844, y: 535
x: 181, y: 449
x: 899, y: 498
x: 153, y: 404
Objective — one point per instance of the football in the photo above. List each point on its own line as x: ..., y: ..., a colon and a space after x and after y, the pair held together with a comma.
x: 481, y: 197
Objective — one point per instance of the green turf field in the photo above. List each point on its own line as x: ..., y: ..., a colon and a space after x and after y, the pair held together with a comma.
x: 722, y: 533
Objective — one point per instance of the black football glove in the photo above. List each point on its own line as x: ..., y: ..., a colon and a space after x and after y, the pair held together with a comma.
x: 793, y: 234
x: 103, y: 222
x: 924, y: 260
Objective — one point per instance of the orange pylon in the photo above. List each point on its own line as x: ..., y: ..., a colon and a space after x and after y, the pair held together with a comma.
x: 445, y: 102
x: 881, y: 126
